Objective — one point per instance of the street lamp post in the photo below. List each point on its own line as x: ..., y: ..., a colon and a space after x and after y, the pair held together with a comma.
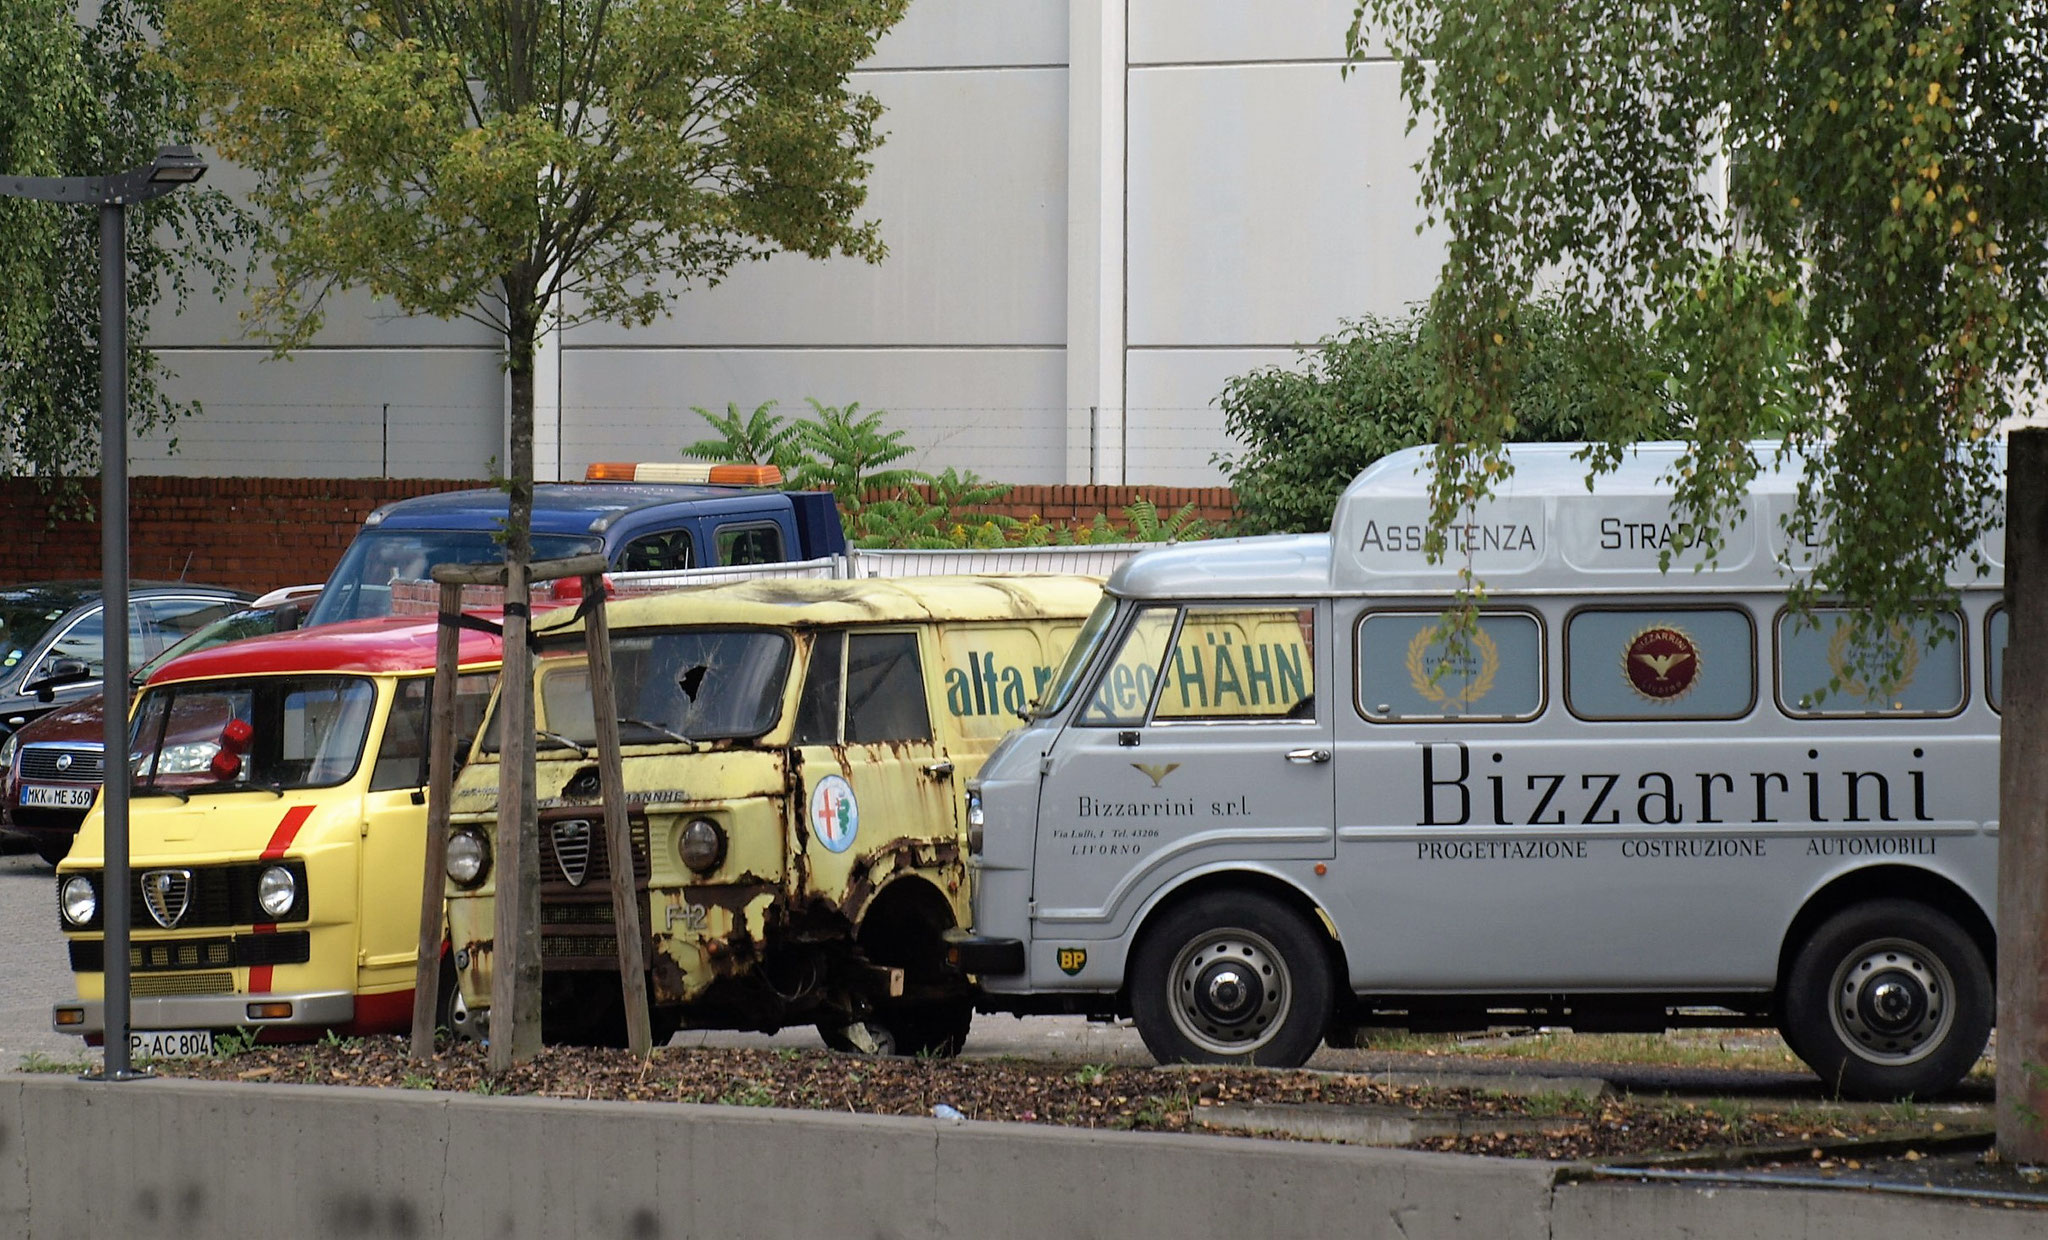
x: 173, y: 166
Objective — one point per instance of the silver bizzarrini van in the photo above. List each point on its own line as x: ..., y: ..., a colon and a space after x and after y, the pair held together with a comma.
x: 1270, y: 795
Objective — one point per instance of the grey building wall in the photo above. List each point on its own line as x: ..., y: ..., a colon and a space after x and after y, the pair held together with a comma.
x: 1096, y: 211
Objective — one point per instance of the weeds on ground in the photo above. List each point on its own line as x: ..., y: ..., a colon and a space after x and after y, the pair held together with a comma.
x: 37, y: 1061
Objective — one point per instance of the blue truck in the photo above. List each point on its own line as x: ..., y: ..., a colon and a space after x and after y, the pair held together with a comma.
x: 642, y: 519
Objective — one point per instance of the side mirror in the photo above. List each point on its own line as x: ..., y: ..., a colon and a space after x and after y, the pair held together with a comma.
x: 58, y: 673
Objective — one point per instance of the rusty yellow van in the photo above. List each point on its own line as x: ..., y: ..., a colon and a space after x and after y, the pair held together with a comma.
x: 277, y: 828
x: 795, y: 757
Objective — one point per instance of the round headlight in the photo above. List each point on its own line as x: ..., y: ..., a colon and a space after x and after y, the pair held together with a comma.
x: 702, y: 846
x: 469, y: 856
x: 276, y: 891
x: 975, y: 821
x: 78, y: 900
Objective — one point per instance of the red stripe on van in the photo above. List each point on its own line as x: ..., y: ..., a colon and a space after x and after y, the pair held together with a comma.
x: 287, y: 831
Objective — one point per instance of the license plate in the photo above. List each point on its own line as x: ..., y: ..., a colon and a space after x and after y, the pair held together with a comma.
x: 170, y: 1044
x: 57, y: 798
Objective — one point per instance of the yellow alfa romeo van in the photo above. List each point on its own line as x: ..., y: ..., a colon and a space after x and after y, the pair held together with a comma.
x: 795, y: 758
x: 277, y: 827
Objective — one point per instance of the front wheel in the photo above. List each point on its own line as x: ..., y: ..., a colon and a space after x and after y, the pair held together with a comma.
x: 1234, y: 978
x: 1889, y: 999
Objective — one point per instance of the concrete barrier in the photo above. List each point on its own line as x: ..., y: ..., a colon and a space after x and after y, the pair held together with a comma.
x: 193, y: 1158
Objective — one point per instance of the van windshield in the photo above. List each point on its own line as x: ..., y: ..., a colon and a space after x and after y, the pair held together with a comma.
x: 361, y: 585
x: 1078, y: 657
x: 698, y: 684
x: 270, y: 732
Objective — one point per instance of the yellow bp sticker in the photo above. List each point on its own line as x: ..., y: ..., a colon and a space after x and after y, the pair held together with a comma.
x: 1072, y: 960
x: 835, y: 815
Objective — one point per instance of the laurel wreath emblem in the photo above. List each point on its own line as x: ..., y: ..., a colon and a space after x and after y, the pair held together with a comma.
x: 1854, y: 685
x: 1426, y: 685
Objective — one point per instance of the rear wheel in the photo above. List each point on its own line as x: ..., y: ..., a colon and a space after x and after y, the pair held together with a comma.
x: 1889, y: 999
x: 1231, y: 977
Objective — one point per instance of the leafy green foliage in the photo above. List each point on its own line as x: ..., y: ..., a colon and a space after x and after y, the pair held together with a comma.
x: 486, y: 162
x: 882, y: 504
x: 87, y: 100
x: 1886, y: 178
x: 762, y: 437
x: 1367, y: 390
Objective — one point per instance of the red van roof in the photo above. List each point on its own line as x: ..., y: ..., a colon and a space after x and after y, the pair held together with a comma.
x: 388, y: 644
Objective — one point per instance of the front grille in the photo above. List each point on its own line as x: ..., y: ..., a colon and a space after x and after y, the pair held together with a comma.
x: 601, y: 950
x: 151, y: 985
x: 569, y: 852
x: 86, y: 766
x: 237, y: 951
x: 581, y: 914
x: 215, y: 895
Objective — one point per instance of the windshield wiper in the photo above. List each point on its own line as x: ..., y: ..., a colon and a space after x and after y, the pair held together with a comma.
x: 561, y: 742
x: 151, y: 790
x: 660, y: 729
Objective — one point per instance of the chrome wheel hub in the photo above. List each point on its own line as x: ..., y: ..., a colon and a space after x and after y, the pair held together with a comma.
x: 1891, y: 1001
x: 1231, y: 991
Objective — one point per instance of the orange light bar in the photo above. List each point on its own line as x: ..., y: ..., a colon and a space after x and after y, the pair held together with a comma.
x: 684, y: 471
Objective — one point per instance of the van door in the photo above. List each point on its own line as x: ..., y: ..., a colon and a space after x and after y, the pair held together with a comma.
x: 874, y: 777
x: 1206, y: 738
x: 395, y: 832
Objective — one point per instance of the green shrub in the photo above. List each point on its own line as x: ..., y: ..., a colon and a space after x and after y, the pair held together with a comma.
x: 1360, y: 394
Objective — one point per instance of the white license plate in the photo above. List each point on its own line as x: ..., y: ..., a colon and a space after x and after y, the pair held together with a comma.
x: 57, y: 798
x: 170, y: 1044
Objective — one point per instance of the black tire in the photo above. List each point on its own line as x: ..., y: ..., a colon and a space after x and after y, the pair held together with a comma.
x: 1231, y: 978
x: 1888, y: 1000
x: 53, y: 851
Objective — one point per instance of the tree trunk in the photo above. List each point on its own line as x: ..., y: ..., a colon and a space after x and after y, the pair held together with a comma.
x: 2022, y: 1108
x: 515, y: 979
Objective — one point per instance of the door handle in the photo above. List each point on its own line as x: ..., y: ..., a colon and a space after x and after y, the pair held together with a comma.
x: 938, y: 770
x: 1308, y: 755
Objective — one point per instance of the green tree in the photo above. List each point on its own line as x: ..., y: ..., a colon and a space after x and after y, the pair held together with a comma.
x: 506, y: 162
x: 1363, y: 392
x: 1878, y: 168
x: 86, y: 99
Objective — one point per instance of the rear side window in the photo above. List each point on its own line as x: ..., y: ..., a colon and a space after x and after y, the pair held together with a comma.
x: 885, y: 689
x: 817, y: 711
x: 1995, y: 628
x: 1411, y: 668
x: 1660, y: 663
x: 749, y: 544
x: 1827, y: 668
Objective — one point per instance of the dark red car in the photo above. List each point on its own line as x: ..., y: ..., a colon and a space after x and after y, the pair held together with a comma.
x: 51, y: 767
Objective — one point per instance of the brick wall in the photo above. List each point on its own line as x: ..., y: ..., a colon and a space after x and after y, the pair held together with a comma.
x: 262, y: 533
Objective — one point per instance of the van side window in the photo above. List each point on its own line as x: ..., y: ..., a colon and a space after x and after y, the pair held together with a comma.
x: 1411, y: 669
x: 1660, y: 663
x: 1241, y: 663
x: 1996, y: 626
x: 659, y: 553
x: 817, y: 712
x: 1823, y: 669
x: 402, y: 757
x: 749, y: 544
x: 885, y: 689
x: 1123, y: 692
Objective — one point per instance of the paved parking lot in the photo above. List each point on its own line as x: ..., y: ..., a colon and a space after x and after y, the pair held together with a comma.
x: 34, y: 972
